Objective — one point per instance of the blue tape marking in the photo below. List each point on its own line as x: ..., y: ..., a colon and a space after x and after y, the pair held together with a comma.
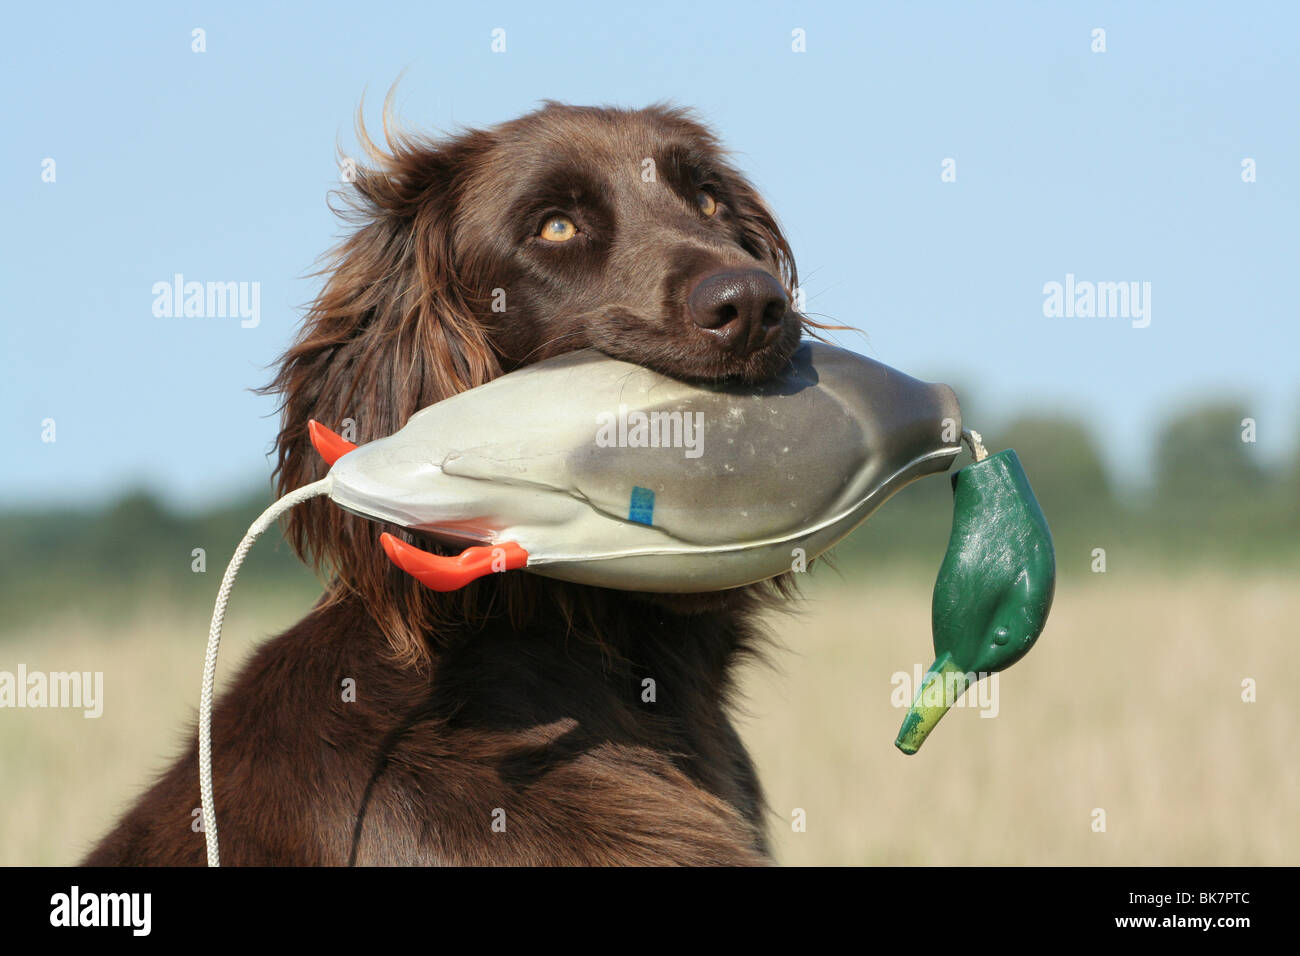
x: 642, y: 508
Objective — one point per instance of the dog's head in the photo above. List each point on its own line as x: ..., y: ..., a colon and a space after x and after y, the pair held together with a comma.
x: 623, y: 230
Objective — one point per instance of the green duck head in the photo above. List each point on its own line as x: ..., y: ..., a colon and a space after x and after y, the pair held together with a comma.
x: 993, y: 591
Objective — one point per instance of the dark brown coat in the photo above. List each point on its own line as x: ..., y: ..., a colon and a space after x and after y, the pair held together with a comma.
x: 511, y: 722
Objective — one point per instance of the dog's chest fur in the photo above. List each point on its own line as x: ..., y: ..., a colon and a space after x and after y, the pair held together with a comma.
x: 529, y: 745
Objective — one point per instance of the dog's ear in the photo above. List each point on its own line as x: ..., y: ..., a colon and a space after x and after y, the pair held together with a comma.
x: 762, y: 237
x: 760, y: 234
x: 389, y: 333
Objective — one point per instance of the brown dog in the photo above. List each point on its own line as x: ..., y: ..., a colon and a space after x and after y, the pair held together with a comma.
x: 508, y: 722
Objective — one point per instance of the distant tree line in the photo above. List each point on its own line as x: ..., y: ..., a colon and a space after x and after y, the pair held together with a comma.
x: 1212, y: 499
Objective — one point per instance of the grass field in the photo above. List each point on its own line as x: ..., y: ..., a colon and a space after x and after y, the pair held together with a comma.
x: 1131, y: 703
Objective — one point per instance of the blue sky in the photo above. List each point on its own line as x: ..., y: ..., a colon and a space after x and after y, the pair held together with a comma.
x: 1115, y: 166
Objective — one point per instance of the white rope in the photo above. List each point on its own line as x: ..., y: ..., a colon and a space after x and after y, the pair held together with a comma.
x: 975, y: 442
x: 263, y: 522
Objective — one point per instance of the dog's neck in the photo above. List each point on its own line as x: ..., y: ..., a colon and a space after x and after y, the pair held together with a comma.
x: 690, y: 640
x: 590, y: 673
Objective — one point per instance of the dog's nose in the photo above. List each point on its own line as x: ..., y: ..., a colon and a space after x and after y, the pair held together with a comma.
x: 740, y: 309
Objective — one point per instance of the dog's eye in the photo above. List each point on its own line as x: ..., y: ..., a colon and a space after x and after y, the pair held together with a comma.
x: 708, y: 205
x: 559, y: 229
